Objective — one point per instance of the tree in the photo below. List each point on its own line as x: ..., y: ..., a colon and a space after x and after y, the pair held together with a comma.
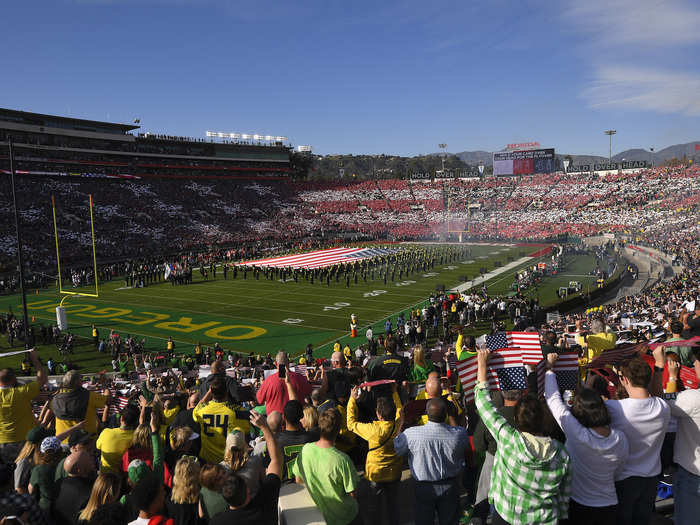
x: 300, y: 164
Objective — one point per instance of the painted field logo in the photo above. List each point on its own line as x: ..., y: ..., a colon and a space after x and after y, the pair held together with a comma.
x: 182, y: 324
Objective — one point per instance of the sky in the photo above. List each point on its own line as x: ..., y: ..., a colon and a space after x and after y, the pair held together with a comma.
x: 394, y: 77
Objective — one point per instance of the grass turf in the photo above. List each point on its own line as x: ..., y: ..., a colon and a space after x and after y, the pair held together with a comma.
x: 263, y: 316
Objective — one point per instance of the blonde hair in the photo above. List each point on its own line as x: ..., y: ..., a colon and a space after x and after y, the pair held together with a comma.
x: 235, y: 458
x: 180, y: 437
x: 142, y: 437
x: 419, y: 356
x: 105, y: 490
x: 186, y: 481
x: 310, y: 419
x: 29, y: 450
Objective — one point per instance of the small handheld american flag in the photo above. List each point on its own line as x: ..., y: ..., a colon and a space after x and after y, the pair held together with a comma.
x: 566, y: 370
x: 506, y: 372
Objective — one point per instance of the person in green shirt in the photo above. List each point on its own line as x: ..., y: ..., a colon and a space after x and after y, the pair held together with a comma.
x: 42, y: 484
x: 329, y: 474
x: 421, y: 367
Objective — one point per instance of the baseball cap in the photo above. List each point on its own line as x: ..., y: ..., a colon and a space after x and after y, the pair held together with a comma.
x: 235, y: 440
x: 78, y: 437
x: 138, y: 469
x: 50, y: 444
x: 37, y: 435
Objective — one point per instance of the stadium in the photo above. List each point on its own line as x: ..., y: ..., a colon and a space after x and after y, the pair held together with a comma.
x: 245, y: 280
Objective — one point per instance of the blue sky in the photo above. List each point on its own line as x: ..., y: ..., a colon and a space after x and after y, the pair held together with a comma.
x: 366, y: 77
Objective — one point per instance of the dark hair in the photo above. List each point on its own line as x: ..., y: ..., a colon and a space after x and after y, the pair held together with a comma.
x: 512, y: 395
x: 235, y: 491
x: 598, y: 384
x: 354, y: 375
x: 676, y: 327
x: 146, y: 490
x: 6, y: 376
x: 109, y: 514
x: 436, y: 409
x: 218, y: 388
x: 637, y: 372
x: 589, y: 409
x: 696, y: 352
x: 293, y: 412
x: 550, y: 337
x: 329, y: 424
x: 390, y: 346
x: 386, y: 408
x: 529, y: 415
x: 130, y: 416
x: 469, y: 341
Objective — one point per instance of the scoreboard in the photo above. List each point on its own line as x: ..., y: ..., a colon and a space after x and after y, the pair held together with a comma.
x: 525, y: 162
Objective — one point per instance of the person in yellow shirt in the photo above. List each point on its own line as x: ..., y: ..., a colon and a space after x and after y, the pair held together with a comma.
x: 347, y: 352
x: 73, y: 404
x: 16, y: 417
x: 596, y: 342
x: 336, y: 346
x: 217, y: 418
x: 383, y: 466
x: 113, y: 442
x: 170, y: 411
x: 170, y: 345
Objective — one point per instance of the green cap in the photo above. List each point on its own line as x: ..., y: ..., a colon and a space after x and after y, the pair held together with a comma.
x: 37, y: 435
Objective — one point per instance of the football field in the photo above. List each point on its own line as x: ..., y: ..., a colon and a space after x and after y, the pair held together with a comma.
x: 260, y: 315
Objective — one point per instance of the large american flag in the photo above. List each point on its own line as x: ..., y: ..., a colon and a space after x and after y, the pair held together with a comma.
x: 527, y: 342
x: 505, y: 372
x: 616, y: 355
x: 566, y: 370
x: 319, y: 258
x: 688, y: 377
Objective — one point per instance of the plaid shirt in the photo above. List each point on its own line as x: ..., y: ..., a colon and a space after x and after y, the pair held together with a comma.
x: 524, y: 489
x: 12, y: 503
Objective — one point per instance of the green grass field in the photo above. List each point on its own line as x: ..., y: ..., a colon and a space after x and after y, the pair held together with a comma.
x: 264, y: 316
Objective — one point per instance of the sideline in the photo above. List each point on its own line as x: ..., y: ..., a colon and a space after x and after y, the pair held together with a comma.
x: 494, y: 273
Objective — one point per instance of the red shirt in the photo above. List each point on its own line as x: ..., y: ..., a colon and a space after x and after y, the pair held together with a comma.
x: 273, y: 392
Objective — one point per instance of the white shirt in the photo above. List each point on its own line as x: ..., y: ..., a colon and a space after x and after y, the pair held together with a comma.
x: 369, y: 333
x: 140, y: 521
x: 686, y: 408
x: 644, y: 422
x: 594, y: 458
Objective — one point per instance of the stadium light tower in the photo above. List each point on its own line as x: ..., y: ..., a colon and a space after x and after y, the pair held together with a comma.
x: 443, y: 147
x: 610, y: 133
x: 651, y: 156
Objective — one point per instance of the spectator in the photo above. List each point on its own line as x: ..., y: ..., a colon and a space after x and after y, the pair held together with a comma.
x: 108, y: 514
x: 643, y: 419
x: 596, y: 451
x: 273, y: 392
x: 113, y: 442
x: 261, y: 510
x: 383, y: 466
x: 105, y: 491
x: 421, y: 368
x: 310, y: 421
x: 531, y: 481
x: 73, y: 492
x: 329, y: 474
x: 212, y: 478
x: 294, y: 436
x: 28, y: 457
x: 149, y: 498
x: 597, y: 341
x: 181, y: 440
x: 239, y: 461
x: 436, y: 455
x: 183, y: 503
x: 14, y: 504
x: 16, y: 418
x: 686, y: 409
x: 486, y: 443
x: 78, y: 441
x: 218, y: 369
x: 42, y: 483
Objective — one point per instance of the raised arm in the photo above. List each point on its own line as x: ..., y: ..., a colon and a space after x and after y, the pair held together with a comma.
x: 290, y: 386
x: 275, y: 466
x: 41, y: 376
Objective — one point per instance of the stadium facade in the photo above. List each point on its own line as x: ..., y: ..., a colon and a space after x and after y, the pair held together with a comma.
x: 56, y: 146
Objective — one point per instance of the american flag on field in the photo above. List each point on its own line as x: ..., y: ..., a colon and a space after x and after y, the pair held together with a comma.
x: 319, y: 258
x: 566, y: 370
x: 505, y: 372
x: 688, y: 377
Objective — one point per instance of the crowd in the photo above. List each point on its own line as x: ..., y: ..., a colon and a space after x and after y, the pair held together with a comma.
x: 225, y: 213
x: 215, y: 439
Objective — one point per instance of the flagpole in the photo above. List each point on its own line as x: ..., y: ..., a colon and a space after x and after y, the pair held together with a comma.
x: 20, y: 258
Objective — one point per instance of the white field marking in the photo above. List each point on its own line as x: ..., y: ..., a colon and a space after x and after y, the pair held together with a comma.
x: 490, y: 275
